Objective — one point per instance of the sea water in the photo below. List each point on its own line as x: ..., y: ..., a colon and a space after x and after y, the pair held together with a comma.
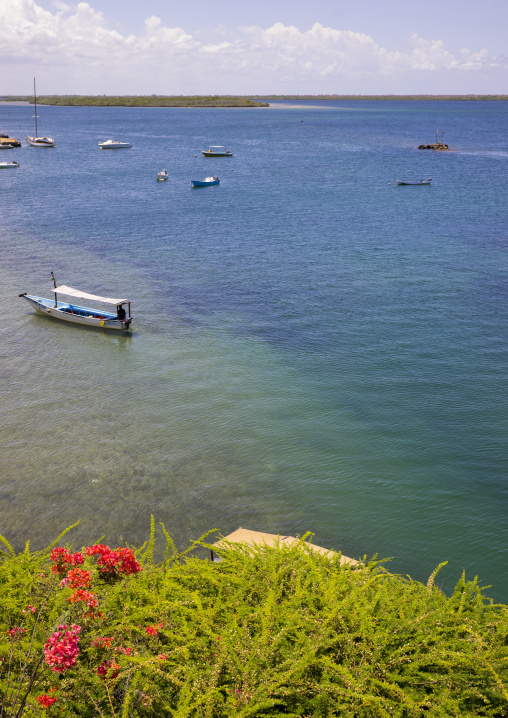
x: 314, y: 347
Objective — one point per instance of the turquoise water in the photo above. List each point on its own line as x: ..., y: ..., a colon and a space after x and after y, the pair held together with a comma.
x: 314, y: 347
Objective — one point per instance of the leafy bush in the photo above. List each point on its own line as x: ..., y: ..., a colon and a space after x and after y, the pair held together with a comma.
x: 264, y: 632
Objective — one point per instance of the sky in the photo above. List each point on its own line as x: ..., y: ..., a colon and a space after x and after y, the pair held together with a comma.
x: 169, y: 47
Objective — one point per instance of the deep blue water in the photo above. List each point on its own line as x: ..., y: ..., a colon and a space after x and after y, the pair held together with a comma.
x: 314, y: 347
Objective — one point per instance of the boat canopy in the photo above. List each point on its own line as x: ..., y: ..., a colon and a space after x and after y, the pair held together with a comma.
x: 70, y: 292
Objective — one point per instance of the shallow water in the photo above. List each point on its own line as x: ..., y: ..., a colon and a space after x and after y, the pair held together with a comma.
x: 314, y: 347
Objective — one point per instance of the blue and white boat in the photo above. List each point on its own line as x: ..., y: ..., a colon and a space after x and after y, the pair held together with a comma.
x: 119, y: 320
x: 205, y: 183
x: 161, y: 176
x: 8, y: 165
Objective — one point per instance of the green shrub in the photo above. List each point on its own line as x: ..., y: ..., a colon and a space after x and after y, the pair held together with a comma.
x: 264, y: 632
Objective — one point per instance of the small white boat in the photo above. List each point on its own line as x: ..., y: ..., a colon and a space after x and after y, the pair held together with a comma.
x: 161, y: 176
x: 114, y: 145
x: 8, y: 165
x: 416, y: 182
x: 217, y: 151
x: 39, y: 141
x: 205, y: 183
x: 6, y: 146
x: 76, y: 314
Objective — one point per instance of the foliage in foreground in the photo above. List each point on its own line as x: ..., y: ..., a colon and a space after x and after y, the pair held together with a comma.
x: 265, y: 632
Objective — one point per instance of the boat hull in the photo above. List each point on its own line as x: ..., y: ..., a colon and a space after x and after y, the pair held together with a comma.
x: 216, y: 154
x: 114, y: 145
x: 202, y: 183
x: 9, y: 165
x: 413, y: 182
x: 77, y: 315
x: 40, y: 141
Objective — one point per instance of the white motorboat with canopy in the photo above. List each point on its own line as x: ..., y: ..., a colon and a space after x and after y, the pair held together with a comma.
x: 120, y: 320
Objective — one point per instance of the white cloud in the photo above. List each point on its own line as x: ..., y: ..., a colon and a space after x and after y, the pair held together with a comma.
x: 76, y: 47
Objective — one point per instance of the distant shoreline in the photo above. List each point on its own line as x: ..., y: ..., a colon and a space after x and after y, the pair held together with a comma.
x: 237, y: 101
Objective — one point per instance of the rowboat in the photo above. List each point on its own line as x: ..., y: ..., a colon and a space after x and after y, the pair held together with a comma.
x: 113, y: 145
x: 205, y: 183
x: 161, y: 176
x: 217, y: 151
x: 417, y: 182
x: 8, y: 165
x: 77, y: 314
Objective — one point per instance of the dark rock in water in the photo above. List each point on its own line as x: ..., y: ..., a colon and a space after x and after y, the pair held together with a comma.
x: 438, y: 146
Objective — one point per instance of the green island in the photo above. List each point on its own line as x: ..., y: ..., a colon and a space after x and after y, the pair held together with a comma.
x: 221, y: 100
x: 267, y: 631
x: 139, y: 101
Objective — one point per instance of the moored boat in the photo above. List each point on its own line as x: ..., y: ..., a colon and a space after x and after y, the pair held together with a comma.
x: 163, y: 175
x: 114, y: 145
x: 206, y: 182
x: 39, y: 141
x: 77, y: 314
x: 9, y: 142
x: 415, y: 182
x: 217, y: 151
x: 8, y: 165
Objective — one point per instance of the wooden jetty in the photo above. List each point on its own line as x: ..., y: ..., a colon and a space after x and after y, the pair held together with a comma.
x: 258, y: 538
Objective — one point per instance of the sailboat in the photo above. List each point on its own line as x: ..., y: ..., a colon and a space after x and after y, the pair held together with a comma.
x: 39, y: 141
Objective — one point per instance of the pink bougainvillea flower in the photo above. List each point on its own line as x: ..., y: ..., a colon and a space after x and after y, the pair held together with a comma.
x: 151, y: 630
x: 14, y: 631
x: 61, y: 650
x: 127, y: 651
x: 162, y: 657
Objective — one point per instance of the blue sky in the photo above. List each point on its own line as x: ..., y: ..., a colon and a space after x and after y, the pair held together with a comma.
x: 269, y: 46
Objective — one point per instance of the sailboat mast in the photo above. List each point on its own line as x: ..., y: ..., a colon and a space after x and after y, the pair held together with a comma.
x: 35, y: 103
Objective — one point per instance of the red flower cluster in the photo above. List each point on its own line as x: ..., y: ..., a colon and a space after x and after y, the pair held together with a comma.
x: 102, y: 642
x: 77, y: 578
x: 162, y: 657
x: 108, y: 670
x: 152, y: 630
x: 64, y: 560
x: 46, y: 700
x: 84, y: 596
x: 112, y: 563
x: 61, y: 650
x: 14, y: 631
